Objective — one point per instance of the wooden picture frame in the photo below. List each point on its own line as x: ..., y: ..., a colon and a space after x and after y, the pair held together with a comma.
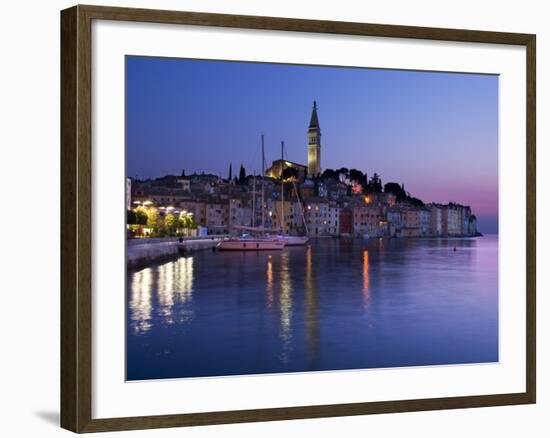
x: 76, y: 218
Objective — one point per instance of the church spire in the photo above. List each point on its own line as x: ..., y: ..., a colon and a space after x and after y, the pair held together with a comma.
x: 314, y: 122
x: 314, y: 144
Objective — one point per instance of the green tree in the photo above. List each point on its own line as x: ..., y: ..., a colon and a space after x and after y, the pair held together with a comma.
x: 154, y: 220
x: 375, y: 184
x: 187, y: 222
x: 357, y: 176
x: 396, y: 189
x: 138, y: 216
x: 343, y: 170
x: 329, y: 174
x: 171, y: 223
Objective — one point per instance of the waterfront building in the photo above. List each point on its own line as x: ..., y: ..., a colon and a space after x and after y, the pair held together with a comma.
x: 368, y: 220
x: 333, y: 220
x: 411, y: 218
x: 320, y: 216
x: 346, y: 221
x: 292, y: 216
x: 394, y: 219
x: 452, y: 220
x: 159, y: 196
x: 466, y: 212
x: 267, y: 211
x: 314, y: 144
x: 408, y: 221
x: 424, y: 215
x: 472, y: 225
x: 240, y: 212
x: 436, y: 219
x: 217, y: 216
x: 196, y: 208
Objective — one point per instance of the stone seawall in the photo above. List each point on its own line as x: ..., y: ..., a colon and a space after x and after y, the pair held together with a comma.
x: 142, y: 252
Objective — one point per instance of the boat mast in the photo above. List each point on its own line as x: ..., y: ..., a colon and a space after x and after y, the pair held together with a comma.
x: 300, y: 205
x: 253, y: 219
x: 282, y: 189
x: 263, y: 190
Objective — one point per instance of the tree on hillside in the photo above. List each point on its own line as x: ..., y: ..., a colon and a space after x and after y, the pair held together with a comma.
x: 397, y: 190
x: 343, y: 171
x: 375, y: 184
x: 416, y: 202
x: 329, y: 174
x: 242, y: 175
x: 358, y: 177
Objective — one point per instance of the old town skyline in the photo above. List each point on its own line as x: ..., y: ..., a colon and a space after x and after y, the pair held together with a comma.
x: 181, y: 146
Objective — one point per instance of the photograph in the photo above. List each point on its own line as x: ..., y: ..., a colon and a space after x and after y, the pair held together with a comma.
x: 293, y: 218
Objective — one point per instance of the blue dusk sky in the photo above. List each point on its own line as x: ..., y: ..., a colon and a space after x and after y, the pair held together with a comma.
x: 437, y: 133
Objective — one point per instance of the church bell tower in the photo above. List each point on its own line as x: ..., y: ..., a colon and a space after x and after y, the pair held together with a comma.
x: 314, y: 144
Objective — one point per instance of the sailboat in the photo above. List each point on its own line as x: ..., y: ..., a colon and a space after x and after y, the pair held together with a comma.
x: 259, y: 241
x: 289, y: 240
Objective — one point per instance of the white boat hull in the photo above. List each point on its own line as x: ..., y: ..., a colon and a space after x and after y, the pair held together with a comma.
x: 293, y: 240
x: 250, y: 245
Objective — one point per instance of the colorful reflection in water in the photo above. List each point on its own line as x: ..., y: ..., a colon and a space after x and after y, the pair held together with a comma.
x: 366, y: 292
x: 269, y: 282
x: 334, y: 304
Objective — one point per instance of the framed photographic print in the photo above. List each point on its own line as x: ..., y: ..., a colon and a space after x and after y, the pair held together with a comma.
x: 268, y: 218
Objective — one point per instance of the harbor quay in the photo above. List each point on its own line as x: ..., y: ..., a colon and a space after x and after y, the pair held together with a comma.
x: 142, y: 252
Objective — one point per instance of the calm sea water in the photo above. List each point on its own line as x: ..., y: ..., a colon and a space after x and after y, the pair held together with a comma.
x: 335, y: 304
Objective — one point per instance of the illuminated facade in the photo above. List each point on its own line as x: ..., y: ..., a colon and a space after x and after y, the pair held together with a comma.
x: 279, y: 166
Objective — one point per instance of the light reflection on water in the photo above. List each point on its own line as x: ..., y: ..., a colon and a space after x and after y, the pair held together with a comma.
x: 174, y: 284
x: 335, y: 304
x: 140, y: 300
x: 366, y: 294
x: 269, y: 282
x: 285, y: 306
